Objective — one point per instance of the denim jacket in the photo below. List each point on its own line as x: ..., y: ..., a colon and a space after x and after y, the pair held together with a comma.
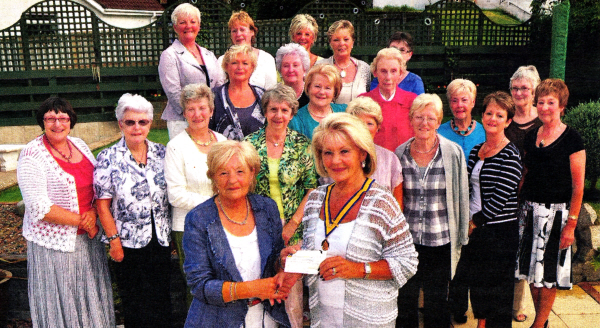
x: 209, y: 262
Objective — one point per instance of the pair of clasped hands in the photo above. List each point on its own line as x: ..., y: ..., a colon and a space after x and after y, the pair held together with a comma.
x: 87, y: 222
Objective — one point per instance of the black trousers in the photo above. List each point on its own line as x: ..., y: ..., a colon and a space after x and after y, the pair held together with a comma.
x: 487, y: 267
x: 143, y: 278
x: 433, y: 276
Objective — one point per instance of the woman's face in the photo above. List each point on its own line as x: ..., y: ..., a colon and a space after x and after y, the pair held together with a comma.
x: 341, y: 42
x: 135, y: 127
x: 233, y: 180
x: 371, y: 123
x: 522, y: 93
x: 388, y: 73
x: 342, y: 159
x: 320, y: 91
x: 57, y: 131
x: 241, y: 34
x: 197, y: 113
x: 494, y: 119
x: 292, y: 71
x: 278, y: 115
x: 548, y: 109
x: 304, y: 37
x: 404, y: 49
x: 240, y: 68
x: 461, y: 104
x: 187, y: 28
x: 425, y: 123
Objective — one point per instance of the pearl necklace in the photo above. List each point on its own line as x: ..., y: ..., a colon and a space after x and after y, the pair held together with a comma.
x: 67, y: 158
x: 320, y: 117
x: 227, y: 216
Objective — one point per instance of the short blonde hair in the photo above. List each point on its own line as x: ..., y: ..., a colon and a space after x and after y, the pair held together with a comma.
x: 243, y: 18
x: 280, y: 93
x: 425, y: 99
x: 529, y: 74
x: 221, y: 153
x: 185, y: 9
x: 347, y: 127
x: 365, y: 106
x: 388, y: 53
x: 461, y: 85
x: 302, y: 21
x: 330, y: 72
x: 236, y: 50
x: 196, y: 91
x: 338, y: 25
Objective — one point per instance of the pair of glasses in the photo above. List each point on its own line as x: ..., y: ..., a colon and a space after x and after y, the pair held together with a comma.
x: 52, y: 120
x: 523, y: 89
x: 429, y: 120
x: 132, y: 122
x: 403, y: 51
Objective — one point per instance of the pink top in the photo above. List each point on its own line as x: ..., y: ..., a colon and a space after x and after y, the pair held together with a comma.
x: 83, y: 172
x: 395, y: 128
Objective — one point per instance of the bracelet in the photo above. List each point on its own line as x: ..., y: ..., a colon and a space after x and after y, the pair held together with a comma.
x: 573, y: 217
x: 297, y: 222
x: 113, y: 237
x: 231, y: 290
x: 235, y: 290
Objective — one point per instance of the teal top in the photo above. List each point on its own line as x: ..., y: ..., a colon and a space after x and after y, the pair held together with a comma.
x: 465, y: 142
x: 305, y: 124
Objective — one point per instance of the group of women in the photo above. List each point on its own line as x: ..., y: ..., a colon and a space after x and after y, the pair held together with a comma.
x: 399, y: 201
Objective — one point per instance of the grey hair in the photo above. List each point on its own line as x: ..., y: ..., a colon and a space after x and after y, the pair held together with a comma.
x: 280, y: 93
x: 529, y: 73
x: 426, y: 99
x: 134, y: 103
x: 185, y: 9
x: 197, y: 91
x: 292, y: 49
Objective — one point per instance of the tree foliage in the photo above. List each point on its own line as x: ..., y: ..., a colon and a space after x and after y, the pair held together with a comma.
x: 585, y: 118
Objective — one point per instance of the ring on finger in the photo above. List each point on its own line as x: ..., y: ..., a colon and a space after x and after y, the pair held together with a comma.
x: 334, y: 272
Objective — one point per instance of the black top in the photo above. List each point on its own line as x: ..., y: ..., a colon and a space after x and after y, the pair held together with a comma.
x: 516, y: 132
x: 548, y: 178
x: 303, y: 100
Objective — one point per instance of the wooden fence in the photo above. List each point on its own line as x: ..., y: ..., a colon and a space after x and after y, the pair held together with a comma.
x: 59, y: 47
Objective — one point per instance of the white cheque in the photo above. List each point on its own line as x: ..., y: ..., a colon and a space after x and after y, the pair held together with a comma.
x: 305, y: 261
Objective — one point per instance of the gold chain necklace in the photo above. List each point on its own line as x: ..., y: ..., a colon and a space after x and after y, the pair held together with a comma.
x: 203, y: 144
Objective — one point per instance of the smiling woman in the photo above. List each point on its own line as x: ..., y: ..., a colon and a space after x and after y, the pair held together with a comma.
x: 183, y: 63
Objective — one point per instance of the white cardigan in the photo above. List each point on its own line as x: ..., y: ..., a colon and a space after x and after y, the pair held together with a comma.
x: 44, y: 183
x: 185, y: 173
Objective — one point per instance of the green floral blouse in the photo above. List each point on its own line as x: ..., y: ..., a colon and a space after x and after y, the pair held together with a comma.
x: 296, y: 174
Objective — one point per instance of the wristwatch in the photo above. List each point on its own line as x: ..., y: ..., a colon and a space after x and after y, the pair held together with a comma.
x: 367, y: 270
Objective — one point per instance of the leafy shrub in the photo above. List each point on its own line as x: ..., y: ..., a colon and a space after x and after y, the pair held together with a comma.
x: 585, y: 118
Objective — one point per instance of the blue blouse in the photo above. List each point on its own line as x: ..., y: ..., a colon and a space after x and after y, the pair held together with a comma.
x: 465, y: 142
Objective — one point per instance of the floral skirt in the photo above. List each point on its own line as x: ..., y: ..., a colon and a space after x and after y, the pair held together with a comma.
x: 540, y: 260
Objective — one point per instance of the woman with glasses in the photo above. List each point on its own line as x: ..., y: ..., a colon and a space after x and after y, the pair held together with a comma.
x: 67, y: 274
x: 130, y: 186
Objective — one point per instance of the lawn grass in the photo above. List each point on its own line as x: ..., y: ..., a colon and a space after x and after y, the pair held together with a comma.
x: 13, y: 194
x: 500, y: 17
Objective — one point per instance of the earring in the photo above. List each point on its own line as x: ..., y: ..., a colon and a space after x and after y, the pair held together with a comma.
x: 363, y: 164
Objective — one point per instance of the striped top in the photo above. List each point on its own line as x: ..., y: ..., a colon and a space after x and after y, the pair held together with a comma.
x: 499, y: 180
x: 380, y: 232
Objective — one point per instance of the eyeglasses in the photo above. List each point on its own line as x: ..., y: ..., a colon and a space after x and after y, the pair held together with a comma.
x: 132, y: 122
x: 523, y: 89
x: 429, y: 120
x: 52, y: 120
x: 403, y: 50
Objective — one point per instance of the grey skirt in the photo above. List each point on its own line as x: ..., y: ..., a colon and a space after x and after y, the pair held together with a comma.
x: 70, y: 289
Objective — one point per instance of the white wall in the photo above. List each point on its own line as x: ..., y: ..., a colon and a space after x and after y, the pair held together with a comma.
x: 417, y: 4
x: 12, y: 10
